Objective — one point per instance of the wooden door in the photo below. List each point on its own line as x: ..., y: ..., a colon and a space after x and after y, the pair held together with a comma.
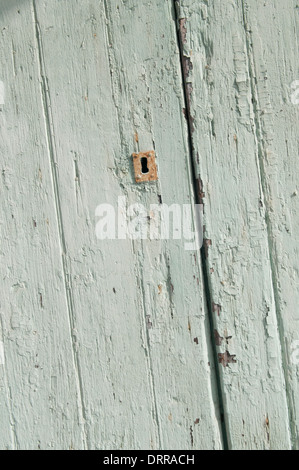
x: 111, y: 339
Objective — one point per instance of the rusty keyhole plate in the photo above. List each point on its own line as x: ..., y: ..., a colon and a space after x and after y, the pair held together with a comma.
x: 145, y: 166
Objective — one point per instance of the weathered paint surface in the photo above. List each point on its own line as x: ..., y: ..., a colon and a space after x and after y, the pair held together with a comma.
x: 241, y: 60
x: 110, y: 344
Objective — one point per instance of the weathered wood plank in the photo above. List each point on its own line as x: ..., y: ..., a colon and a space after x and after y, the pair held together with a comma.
x: 106, y: 343
x: 7, y: 433
x: 226, y: 158
x: 137, y: 306
x: 272, y: 43
x: 39, y: 382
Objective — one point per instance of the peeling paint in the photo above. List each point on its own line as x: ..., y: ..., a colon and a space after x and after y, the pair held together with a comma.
x: 226, y: 358
x: 183, y: 30
x: 145, y: 166
x: 216, y: 308
x: 218, y: 339
x: 187, y: 66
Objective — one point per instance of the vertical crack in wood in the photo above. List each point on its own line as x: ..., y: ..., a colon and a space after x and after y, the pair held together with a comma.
x: 186, y: 66
x: 150, y: 361
x: 265, y: 195
x: 67, y: 281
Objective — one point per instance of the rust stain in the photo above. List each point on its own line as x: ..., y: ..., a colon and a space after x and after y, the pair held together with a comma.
x: 151, y: 174
x: 216, y: 308
x: 226, y: 358
x: 136, y: 137
x: 218, y: 338
x: 159, y: 288
x: 183, y: 30
x: 187, y: 67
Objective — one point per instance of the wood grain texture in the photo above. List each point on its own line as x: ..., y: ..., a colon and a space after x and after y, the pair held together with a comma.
x: 229, y: 156
x: 38, y: 380
x: 272, y: 45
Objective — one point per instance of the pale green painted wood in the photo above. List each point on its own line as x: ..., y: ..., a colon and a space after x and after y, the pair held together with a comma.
x: 228, y: 146
x: 150, y: 373
x: 40, y: 406
x: 98, y: 336
x: 180, y: 365
x: 136, y: 387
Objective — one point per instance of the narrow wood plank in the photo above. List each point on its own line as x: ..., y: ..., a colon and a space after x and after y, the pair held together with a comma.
x: 237, y: 258
x: 114, y: 87
x: 272, y: 42
x: 38, y: 379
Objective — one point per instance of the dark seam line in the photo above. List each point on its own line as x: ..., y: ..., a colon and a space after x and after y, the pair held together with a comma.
x: 206, y: 283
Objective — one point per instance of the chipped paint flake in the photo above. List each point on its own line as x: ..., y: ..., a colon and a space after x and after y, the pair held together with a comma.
x: 226, y: 358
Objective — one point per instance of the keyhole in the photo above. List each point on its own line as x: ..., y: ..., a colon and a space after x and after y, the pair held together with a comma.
x: 144, y: 168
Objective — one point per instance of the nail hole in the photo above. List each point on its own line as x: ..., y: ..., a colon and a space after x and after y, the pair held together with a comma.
x: 144, y: 168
